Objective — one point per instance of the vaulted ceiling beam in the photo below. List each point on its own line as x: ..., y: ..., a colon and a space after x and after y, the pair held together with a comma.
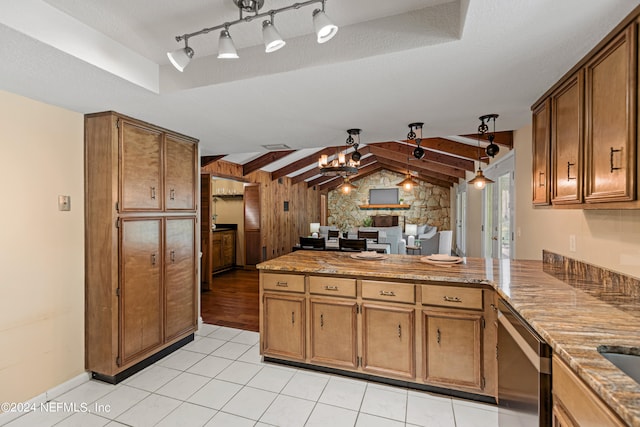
x: 424, y: 172
x: 407, y: 153
x: 429, y: 179
x: 207, y: 160
x: 264, y: 160
x: 504, y: 138
x: 445, y: 159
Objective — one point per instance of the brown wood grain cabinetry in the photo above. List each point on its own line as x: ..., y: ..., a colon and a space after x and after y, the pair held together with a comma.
x: 140, y: 247
x: 574, y: 404
x: 223, y: 250
x: 611, y: 94
x: 567, y: 118
x: 388, y: 336
x: 541, y: 153
x: 433, y: 333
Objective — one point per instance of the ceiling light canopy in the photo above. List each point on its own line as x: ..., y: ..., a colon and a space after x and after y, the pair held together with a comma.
x: 325, y: 30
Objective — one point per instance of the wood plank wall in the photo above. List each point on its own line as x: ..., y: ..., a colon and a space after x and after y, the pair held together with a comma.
x: 280, y: 230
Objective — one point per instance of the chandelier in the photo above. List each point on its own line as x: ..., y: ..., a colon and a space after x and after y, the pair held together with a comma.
x: 324, y: 29
x: 339, y: 166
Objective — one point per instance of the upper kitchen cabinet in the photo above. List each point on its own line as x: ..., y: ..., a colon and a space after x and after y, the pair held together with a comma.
x: 611, y: 94
x: 157, y: 169
x: 541, y: 145
x: 591, y: 115
x: 567, y: 141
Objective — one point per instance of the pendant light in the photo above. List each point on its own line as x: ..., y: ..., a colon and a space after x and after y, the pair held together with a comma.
x: 415, y: 133
x: 480, y: 181
x: 347, y: 186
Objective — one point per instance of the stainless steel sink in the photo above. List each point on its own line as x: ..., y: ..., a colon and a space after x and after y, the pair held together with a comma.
x: 627, y: 359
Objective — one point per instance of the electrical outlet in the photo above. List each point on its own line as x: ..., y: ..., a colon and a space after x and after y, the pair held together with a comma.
x: 572, y: 242
x: 64, y: 203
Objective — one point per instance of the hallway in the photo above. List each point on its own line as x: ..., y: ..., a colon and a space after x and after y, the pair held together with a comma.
x: 233, y: 300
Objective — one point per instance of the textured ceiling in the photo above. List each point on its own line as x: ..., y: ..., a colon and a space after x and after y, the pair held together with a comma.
x: 440, y: 62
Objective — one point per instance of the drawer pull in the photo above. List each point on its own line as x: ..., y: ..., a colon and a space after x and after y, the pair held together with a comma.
x: 153, y: 193
x: 541, y: 179
x: 321, y: 320
x: 611, y: 159
x: 452, y: 299
x: 173, y: 256
x: 153, y: 259
x: 438, y: 335
x: 282, y: 284
x: 387, y: 293
x: 569, y: 177
x: 330, y: 288
x: 293, y: 317
x: 172, y: 194
x: 399, y: 331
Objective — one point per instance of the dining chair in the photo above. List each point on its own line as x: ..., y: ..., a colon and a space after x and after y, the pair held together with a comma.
x: 334, y: 234
x: 313, y: 243
x: 371, y: 236
x: 352, y: 245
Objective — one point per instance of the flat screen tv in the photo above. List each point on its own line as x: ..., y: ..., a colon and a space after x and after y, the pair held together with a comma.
x: 383, y: 196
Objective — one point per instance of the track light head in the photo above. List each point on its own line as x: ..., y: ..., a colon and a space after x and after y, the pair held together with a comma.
x: 180, y: 58
x: 226, y: 48
x: 325, y: 29
x: 272, y: 39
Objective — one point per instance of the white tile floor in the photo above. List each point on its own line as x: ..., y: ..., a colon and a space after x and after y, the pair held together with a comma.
x: 220, y: 380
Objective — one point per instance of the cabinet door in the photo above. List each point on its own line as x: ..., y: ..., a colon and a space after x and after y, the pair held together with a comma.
x: 560, y: 416
x: 141, y: 299
x: 333, y: 333
x: 216, y: 251
x: 541, y: 153
x: 611, y: 121
x: 284, y: 325
x: 388, y: 340
x: 567, y: 140
x: 453, y: 348
x: 180, y: 277
x: 228, y: 248
x: 140, y: 168
x: 180, y: 174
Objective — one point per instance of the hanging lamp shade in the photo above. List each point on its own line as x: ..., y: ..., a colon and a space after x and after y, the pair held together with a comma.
x: 408, y: 183
x: 325, y: 29
x: 480, y: 181
x: 347, y: 186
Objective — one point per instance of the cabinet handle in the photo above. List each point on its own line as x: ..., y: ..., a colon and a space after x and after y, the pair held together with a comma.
x: 172, y: 194
x: 330, y: 288
x: 452, y: 299
x: 153, y: 193
x: 321, y: 320
x: 399, y: 331
x: 282, y: 284
x: 173, y: 256
x: 293, y: 317
x: 569, y: 164
x: 387, y: 293
x: 153, y: 259
x: 493, y: 306
x: 611, y: 159
x: 541, y: 179
x: 438, y: 335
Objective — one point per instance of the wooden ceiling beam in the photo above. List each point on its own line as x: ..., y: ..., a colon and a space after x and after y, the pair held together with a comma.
x: 431, y: 180
x: 264, y: 160
x: 413, y: 162
x: 445, y: 159
x: 452, y: 147
x: 301, y: 163
x: 207, y: 160
x: 424, y: 172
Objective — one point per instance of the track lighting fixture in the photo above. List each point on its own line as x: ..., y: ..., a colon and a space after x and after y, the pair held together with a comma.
x: 325, y: 30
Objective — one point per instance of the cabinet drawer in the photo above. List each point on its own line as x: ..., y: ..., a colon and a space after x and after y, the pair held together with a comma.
x: 283, y: 282
x: 332, y: 286
x: 452, y: 296
x: 388, y: 291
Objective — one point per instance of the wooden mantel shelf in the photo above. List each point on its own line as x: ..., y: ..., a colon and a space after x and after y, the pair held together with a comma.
x: 399, y: 206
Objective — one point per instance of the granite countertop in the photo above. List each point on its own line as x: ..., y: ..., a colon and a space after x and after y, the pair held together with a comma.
x: 572, y: 321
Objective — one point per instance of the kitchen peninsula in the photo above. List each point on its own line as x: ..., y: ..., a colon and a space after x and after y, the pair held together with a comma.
x: 393, y: 318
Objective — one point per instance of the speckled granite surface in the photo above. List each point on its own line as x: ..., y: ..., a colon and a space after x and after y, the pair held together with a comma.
x: 571, y: 320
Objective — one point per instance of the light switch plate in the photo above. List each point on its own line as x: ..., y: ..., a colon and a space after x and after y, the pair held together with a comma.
x: 64, y: 203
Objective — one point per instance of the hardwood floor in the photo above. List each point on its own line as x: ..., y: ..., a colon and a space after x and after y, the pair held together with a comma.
x: 233, y: 300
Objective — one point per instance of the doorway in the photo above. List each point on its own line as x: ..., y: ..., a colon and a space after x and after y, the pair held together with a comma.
x: 498, y: 220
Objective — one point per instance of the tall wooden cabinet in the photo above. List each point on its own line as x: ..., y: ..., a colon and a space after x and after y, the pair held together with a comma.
x: 541, y: 146
x: 140, y: 246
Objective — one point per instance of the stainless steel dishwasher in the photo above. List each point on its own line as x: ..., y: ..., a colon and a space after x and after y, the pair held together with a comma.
x: 524, y: 373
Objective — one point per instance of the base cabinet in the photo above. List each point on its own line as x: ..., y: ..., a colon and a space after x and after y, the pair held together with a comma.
x: 388, y: 340
x: 284, y: 331
x: 575, y: 404
x: 333, y: 333
x: 430, y: 334
x: 453, y: 350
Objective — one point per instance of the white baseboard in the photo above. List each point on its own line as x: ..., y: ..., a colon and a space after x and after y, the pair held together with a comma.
x: 52, y: 393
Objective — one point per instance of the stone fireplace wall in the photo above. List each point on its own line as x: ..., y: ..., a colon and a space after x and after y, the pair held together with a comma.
x: 429, y: 203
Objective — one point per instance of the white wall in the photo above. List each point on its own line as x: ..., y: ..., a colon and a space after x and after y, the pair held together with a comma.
x: 607, y: 238
x: 41, y: 255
